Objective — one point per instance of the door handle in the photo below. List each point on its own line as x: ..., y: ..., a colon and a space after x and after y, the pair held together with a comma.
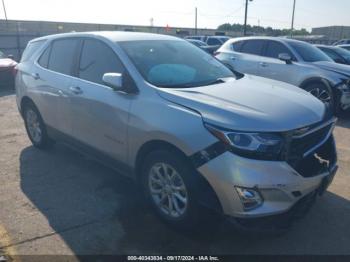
x: 263, y: 64
x: 36, y: 76
x: 233, y: 58
x: 76, y: 90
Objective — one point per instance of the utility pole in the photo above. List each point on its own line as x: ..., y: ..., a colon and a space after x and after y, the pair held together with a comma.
x: 3, y: 5
x: 292, y: 27
x: 245, y: 17
x: 195, y: 21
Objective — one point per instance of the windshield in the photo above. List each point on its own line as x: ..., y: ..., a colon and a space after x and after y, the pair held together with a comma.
x: 309, y: 53
x: 169, y: 63
x: 2, y: 54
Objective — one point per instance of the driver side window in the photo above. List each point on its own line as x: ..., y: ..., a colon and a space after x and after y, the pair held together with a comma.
x: 97, y: 59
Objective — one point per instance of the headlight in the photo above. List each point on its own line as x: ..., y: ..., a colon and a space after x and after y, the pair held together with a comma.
x: 266, y: 146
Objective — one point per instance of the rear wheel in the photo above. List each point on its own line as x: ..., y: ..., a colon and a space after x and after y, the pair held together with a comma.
x: 35, y: 127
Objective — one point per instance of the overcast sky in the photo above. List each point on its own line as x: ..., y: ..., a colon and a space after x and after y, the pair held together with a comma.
x: 180, y: 13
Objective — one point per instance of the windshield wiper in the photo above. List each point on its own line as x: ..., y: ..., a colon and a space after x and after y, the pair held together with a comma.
x: 189, y: 85
x: 216, y: 81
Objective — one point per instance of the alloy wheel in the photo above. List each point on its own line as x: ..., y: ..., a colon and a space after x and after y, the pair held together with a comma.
x: 321, y: 94
x: 168, y: 190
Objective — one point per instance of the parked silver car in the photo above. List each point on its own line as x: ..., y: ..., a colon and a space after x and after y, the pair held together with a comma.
x: 195, y: 135
x: 346, y: 47
x: 295, y: 62
x: 214, y: 40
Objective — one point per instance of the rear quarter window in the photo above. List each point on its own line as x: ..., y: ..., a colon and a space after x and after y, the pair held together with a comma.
x: 236, y: 46
x: 31, y: 48
x: 44, y: 58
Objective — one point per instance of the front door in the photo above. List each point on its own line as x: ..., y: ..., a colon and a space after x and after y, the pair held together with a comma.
x: 100, y: 113
x: 272, y: 67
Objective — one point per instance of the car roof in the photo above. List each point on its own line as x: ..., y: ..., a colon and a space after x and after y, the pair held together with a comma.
x: 115, y: 36
x: 279, y: 39
x: 328, y: 46
x: 194, y: 40
x: 216, y: 36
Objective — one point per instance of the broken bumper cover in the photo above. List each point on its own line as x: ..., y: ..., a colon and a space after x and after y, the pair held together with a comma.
x: 280, y: 186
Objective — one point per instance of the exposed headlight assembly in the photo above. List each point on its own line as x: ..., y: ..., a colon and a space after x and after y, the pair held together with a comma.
x: 345, y: 86
x: 265, y: 146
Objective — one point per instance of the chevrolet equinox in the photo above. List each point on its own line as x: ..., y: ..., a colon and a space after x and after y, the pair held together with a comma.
x: 195, y: 135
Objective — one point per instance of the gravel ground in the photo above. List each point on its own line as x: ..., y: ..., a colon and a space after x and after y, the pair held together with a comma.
x: 59, y: 202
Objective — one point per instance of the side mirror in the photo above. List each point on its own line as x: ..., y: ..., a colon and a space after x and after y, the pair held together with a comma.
x: 285, y: 57
x: 11, y: 57
x: 113, y: 80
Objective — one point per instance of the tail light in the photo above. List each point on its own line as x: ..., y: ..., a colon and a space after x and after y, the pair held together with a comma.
x: 14, y: 71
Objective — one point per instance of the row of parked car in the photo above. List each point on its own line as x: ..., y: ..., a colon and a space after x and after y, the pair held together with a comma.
x: 302, y: 64
x: 294, y: 62
x: 196, y: 132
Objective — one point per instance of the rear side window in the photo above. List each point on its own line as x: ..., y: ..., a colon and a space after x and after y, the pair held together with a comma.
x: 30, y: 50
x: 214, y: 41
x: 253, y: 47
x: 274, y: 49
x: 62, y: 55
x: 236, y: 46
x: 97, y: 59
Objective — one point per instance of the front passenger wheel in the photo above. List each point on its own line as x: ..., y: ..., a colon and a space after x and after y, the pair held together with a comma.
x: 169, y: 186
x: 323, y: 93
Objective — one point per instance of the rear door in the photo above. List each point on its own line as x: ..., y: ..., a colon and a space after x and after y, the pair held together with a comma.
x: 248, y: 57
x: 50, y: 81
x: 272, y: 67
x: 100, y: 113
x: 61, y: 58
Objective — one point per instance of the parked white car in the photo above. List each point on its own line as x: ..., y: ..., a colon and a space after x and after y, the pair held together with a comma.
x: 291, y: 61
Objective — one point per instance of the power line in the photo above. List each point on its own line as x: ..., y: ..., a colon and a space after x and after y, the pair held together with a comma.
x: 3, y: 5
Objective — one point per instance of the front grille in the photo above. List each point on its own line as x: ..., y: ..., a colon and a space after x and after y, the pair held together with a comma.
x: 313, y: 153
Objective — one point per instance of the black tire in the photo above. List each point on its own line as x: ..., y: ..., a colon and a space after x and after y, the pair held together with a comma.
x: 324, y: 93
x: 193, y: 212
x: 43, y: 141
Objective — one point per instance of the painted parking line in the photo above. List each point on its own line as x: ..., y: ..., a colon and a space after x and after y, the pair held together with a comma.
x: 5, y: 244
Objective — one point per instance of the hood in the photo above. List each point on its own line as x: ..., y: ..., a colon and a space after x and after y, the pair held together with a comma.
x: 7, y: 62
x: 334, y: 67
x: 250, y: 104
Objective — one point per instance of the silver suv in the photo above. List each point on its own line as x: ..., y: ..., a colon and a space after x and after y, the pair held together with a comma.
x: 172, y: 117
x: 295, y: 62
